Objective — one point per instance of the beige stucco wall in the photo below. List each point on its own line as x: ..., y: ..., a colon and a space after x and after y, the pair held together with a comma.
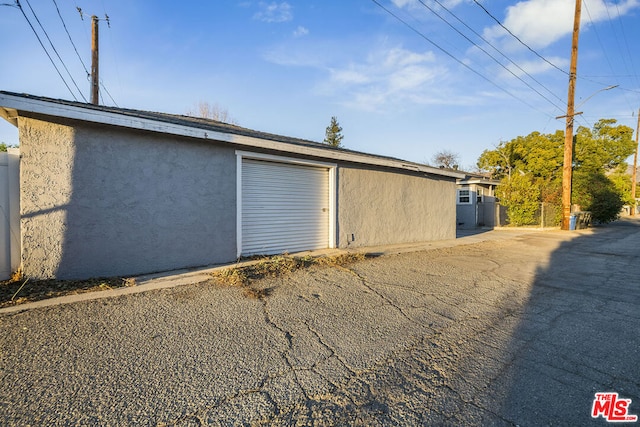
x: 102, y: 201
x: 378, y: 207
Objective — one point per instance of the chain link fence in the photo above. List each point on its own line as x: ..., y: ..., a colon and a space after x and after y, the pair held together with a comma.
x: 547, y: 215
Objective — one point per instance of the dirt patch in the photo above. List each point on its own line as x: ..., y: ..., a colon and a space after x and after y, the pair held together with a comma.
x: 276, y: 266
x: 19, y: 291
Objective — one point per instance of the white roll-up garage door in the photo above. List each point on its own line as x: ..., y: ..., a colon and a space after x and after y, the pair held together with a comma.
x: 285, y: 207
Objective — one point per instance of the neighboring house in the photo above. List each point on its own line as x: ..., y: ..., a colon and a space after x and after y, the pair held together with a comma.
x: 476, y: 202
x: 109, y: 191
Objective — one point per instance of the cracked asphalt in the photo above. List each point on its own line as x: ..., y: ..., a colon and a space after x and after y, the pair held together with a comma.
x: 516, y: 331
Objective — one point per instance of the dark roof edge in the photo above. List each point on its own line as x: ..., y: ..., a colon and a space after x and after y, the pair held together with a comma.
x: 12, y: 103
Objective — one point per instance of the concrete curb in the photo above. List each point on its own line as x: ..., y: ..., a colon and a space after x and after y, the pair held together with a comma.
x: 165, y: 280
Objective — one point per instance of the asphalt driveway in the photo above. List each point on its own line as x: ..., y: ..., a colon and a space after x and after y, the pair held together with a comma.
x: 521, y: 330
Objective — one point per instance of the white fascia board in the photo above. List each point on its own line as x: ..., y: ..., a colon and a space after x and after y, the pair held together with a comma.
x: 479, y: 181
x: 50, y: 108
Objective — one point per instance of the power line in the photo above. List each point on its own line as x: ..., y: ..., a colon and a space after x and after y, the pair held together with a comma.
x: 110, y: 97
x: 70, y: 39
x: 517, y: 38
x: 45, y: 49
x: 489, y: 55
x: 55, y: 50
x: 626, y: 42
x: 604, y: 51
x: 454, y: 58
x: 498, y: 50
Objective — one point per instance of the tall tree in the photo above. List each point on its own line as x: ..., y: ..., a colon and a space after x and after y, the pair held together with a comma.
x: 333, y: 134
x: 539, y: 158
x: 446, y: 159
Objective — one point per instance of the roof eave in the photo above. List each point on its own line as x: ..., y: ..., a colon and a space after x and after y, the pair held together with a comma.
x: 12, y: 105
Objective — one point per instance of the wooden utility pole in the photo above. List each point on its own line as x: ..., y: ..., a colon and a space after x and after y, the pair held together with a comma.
x: 567, y: 168
x: 635, y: 166
x: 95, y: 82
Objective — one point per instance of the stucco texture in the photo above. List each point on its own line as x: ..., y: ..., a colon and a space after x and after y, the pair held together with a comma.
x: 378, y: 207
x: 102, y: 201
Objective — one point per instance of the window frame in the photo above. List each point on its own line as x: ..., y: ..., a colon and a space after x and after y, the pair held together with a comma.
x: 459, y: 196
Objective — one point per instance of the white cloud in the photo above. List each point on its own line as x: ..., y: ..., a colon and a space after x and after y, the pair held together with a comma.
x: 349, y: 77
x: 391, y: 78
x: 295, y: 57
x: 537, y: 22
x: 540, y: 23
x: 300, y: 31
x: 405, y: 3
x: 534, y: 67
x: 415, y: 4
x: 274, y: 12
x: 386, y: 79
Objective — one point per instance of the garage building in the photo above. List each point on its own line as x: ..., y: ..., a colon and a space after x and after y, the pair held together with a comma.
x: 108, y: 191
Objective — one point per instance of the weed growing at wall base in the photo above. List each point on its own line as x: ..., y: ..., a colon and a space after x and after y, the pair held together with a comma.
x: 276, y: 266
x: 18, y: 291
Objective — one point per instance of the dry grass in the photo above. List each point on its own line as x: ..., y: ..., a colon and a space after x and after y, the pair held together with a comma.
x: 340, y: 259
x: 17, y: 291
x: 276, y: 266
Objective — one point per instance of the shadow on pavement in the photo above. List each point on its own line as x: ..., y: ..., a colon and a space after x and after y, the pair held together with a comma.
x: 471, y: 232
x: 579, y: 332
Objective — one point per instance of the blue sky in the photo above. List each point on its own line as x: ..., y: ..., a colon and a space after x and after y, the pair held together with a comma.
x: 403, y: 89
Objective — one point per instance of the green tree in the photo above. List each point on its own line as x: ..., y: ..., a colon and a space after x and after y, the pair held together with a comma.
x: 597, y: 193
x: 600, y: 169
x: 4, y: 147
x: 622, y: 182
x: 521, y: 197
x: 604, y: 147
x: 539, y: 158
x: 333, y: 133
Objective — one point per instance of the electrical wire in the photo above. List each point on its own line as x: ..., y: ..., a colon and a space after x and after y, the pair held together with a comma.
x: 450, y: 55
x: 626, y: 43
x: 490, y: 56
x: 114, y: 58
x: 55, y: 50
x: 616, y: 78
x: 110, y: 97
x: 71, y: 39
x: 498, y: 50
x: 45, y: 49
x: 604, y: 51
x: 519, y: 40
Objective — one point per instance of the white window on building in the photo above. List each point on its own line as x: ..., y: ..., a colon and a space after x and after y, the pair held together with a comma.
x: 464, y: 196
x: 479, y: 194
